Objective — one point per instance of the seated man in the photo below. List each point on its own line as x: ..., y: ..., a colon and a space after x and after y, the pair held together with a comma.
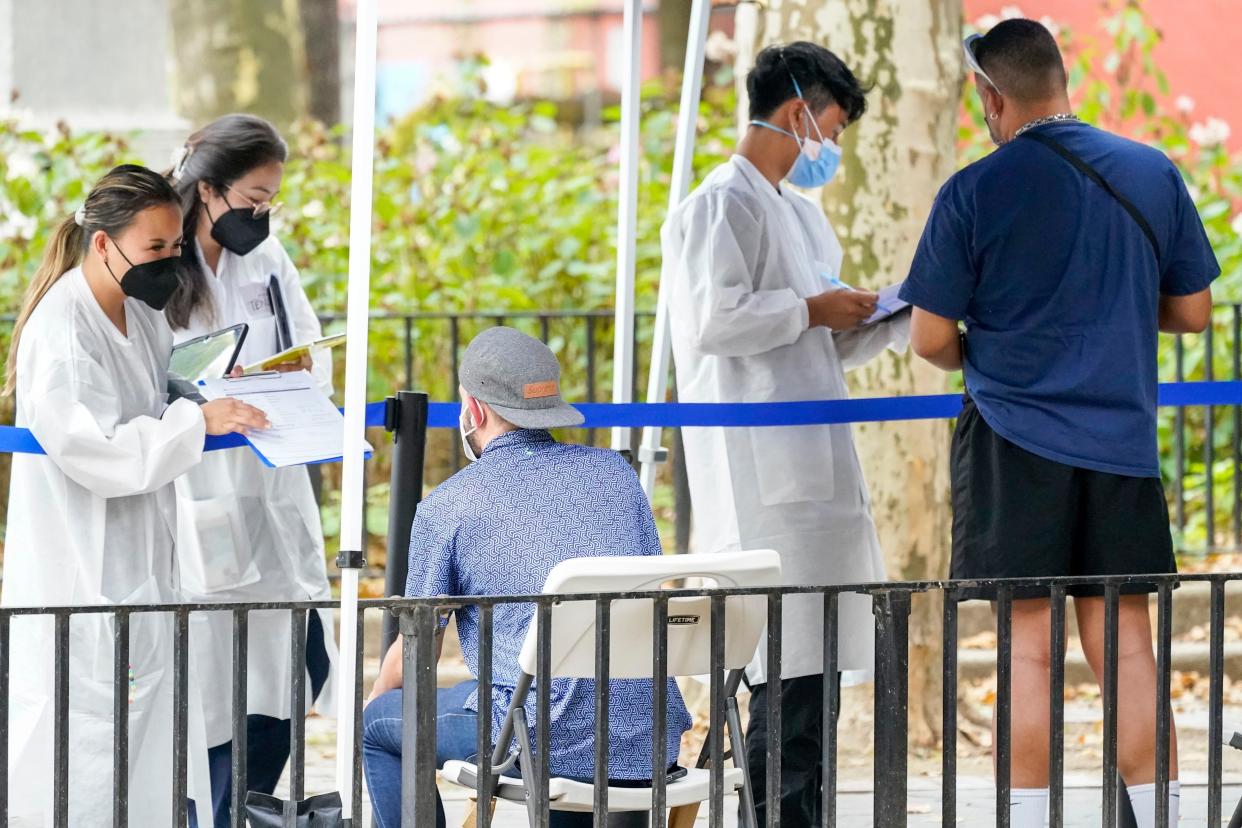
x: 498, y: 527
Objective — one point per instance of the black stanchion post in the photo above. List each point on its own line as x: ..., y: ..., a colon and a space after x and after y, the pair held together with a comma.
x: 405, y: 416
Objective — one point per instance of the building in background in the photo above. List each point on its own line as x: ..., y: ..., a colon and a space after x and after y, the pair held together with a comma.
x: 563, y: 50
x: 1199, y: 40
x: 567, y: 49
x: 76, y: 61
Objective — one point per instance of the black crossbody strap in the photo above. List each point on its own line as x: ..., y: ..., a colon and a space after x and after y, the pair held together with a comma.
x: 1089, y: 171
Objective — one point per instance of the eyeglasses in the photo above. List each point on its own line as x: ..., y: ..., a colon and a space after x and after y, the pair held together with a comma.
x: 261, y: 208
x: 972, y: 60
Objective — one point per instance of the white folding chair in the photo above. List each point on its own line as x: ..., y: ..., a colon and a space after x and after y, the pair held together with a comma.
x: 572, y: 643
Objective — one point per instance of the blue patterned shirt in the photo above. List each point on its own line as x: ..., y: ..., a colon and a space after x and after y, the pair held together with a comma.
x: 498, y: 527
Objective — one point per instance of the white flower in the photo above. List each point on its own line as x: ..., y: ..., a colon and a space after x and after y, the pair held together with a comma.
x: 1210, y: 133
x: 1051, y: 25
x: 1185, y: 104
x: 986, y: 22
x: 501, y: 81
x: 312, y: 209
x: 21, y: 165
x: 720, y: 48
x: 14, y: 224
x: 1193, y: 192
x: 1010, y: 12
x: 424, y: 160
x: 1236, y: 224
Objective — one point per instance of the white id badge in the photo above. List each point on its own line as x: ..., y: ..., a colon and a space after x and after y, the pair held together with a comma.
x: 257, y: 301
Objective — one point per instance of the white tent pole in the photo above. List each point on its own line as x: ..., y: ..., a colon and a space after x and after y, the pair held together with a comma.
x: 683, y: 166
x: 356, y: 312
x: 627, y: 218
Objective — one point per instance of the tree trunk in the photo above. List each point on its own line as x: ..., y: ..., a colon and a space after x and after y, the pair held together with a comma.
x: 674, y: 20
x: 321, y: 34
x: 238, y: 57
x: 895, y: 160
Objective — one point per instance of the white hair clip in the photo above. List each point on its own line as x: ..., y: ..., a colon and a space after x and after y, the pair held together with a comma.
x: 179, y: 157
x: 79, y: 216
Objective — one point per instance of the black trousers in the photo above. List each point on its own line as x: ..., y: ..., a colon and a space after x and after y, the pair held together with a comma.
x: 802, y: 741
x: 267, y: 738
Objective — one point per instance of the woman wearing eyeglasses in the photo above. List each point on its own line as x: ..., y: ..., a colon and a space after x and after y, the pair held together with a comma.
x: 246, y: 532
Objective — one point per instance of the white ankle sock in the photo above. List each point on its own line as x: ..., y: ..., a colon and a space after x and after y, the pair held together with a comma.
x: 1028, y: 807
x: 1143, y: 801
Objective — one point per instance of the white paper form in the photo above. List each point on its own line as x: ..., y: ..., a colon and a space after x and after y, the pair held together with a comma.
x: 306, y: 426
x: 888, y: 304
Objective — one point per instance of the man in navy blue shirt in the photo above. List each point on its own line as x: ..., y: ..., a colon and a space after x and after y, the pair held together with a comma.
x: 1063, y: 253
x: 498, y: 527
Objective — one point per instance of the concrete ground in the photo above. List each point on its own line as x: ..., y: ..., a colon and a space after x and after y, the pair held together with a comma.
x: 975, y: 800
x: 976, y: 793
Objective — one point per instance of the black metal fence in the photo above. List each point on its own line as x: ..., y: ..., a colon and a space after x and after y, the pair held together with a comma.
x: 1202, y: 460
x: 1202, y: 457
x: 891, y: 606
x: 891, y: 603
x: 423, y: 350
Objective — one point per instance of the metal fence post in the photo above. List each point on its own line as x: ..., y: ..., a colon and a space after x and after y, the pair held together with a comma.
x: 892, y: 662
x: 418, y: 713
x: 405, y: 415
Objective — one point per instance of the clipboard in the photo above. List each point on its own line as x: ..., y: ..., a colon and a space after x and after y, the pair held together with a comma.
x: 276, y: 298
x: 209, y: 356
x: 307, y: 428
x: 296, y: 352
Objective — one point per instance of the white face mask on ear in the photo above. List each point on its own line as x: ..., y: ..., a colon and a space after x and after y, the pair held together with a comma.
x: 466, y: 431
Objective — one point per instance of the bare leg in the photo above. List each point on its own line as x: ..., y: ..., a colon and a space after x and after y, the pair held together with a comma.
x: 1136, y: 683
x: 1032, y: 640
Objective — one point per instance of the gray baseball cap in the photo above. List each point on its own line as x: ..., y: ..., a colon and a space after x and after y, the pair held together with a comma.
x: 519, y: 377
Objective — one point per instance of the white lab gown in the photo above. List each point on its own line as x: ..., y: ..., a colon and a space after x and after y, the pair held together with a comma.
x: 247, y: 532
x: 93, y: 523
x: 740, y: 258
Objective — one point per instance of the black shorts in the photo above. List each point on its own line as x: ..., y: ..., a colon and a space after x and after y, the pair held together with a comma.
x: 1019, y: 515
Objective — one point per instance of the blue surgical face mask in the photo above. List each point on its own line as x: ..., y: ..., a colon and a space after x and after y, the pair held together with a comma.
x: 818, y: 160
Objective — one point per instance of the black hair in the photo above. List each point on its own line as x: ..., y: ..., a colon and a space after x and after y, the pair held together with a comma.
x: 823, y: 77
x: 1022, y: 58
x: 218, y: 154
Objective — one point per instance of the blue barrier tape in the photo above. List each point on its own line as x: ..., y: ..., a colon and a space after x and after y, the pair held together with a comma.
x: 15, y: 440
x: 822, y: 412
x: 730, y: 415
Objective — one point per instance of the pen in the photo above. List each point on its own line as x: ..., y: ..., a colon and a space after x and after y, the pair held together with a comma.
x: 254, y: 375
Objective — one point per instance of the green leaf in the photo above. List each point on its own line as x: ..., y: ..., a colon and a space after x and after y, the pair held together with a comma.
x: 504, y: 263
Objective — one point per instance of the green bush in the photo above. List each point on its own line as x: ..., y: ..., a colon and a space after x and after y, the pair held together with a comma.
x: 479, y: 207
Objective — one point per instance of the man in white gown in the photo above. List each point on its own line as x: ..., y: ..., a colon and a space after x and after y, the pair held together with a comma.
x: 759, y: 314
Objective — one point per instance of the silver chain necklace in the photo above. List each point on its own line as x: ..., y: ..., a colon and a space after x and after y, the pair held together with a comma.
x: 1049, y: 119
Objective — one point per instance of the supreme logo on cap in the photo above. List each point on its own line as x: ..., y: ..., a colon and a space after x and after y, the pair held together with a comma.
x: 538, y: 390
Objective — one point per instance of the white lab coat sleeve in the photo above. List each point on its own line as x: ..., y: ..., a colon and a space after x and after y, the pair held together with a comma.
x: 859, y: 346
x: 719, y: 262
x: 303, y: 320
x: 71, y: 409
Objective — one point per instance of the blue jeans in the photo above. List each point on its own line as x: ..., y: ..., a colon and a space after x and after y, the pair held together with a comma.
x: 456, y: 735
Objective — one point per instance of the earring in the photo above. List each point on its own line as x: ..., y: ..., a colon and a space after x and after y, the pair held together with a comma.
x: 992, y: 117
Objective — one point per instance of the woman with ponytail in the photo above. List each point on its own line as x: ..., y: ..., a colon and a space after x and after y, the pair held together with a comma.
x: 247, y: 532
x: 92, y: 522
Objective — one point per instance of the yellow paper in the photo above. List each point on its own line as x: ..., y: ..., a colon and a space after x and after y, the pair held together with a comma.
x: 296, y: 352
